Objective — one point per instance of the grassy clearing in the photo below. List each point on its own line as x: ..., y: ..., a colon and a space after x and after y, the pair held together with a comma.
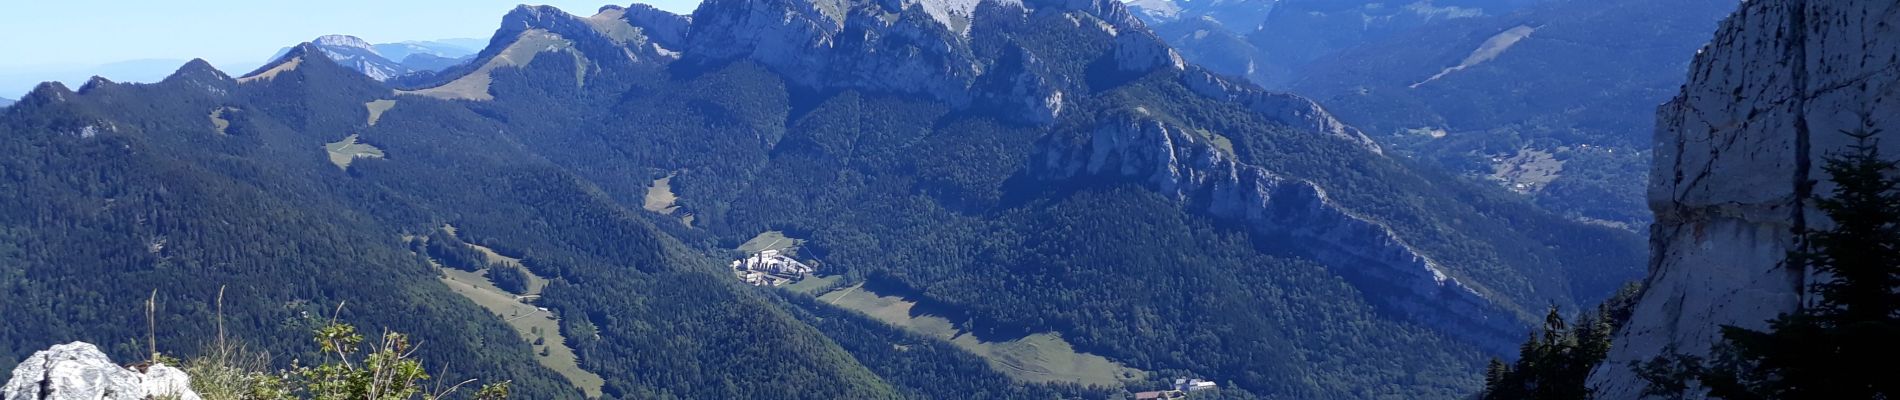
x: 1488, y: 51
x: 1041, y: 357
x: 494, y: 257
x: 660, y: 197
x: 535, y: 282
x: 769, y: 240
x: 529, y: 322
x: 812, y: 284
x: 273, y: 71
x: 1219, y: 141
x: 613, y: 24
x: 531, y: 43
x: 377, y: 108
x: 343, y: 152
x: 218, y: 120
x: 1530, y: 170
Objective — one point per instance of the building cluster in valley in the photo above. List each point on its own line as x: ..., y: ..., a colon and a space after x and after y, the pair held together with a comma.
x: 1182, y: 387
x: 770, y: 268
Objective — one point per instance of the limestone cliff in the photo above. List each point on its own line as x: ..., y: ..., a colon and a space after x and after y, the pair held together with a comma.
x: 1738, y: 155
x: 1189, y: 168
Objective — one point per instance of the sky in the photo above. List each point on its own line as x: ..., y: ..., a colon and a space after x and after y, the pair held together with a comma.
x: 71, y: 39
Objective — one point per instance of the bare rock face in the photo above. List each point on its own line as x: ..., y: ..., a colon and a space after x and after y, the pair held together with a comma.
x: 921, y: 47
x: 1190, y: 169
x: 78, y: 371
x: 1738, y: 156
x: 665, y: 28
x: 1286, y: 108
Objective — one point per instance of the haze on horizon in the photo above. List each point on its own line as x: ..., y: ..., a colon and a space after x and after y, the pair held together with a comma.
x: 70, y: 41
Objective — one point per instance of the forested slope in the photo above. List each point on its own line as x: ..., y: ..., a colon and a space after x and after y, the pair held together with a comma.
x: 1046, y: 168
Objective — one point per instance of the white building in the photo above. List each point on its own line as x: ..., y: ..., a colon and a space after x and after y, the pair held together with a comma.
x: 1193, y: 385
x: 770, y: 267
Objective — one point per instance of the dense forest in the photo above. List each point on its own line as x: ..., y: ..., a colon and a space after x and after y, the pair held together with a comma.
x: 203, y: 182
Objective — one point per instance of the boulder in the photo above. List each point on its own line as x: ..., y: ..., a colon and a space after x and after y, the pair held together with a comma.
x: 79, y: 371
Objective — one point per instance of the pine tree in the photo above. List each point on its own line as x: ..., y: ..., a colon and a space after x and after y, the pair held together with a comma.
x: 1836, y: 348
x: 1494, y: 376
x: 1862, y: 252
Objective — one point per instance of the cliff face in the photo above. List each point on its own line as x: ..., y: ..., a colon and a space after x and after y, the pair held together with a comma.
x: 1738, y: 156
x: 1189, y: 168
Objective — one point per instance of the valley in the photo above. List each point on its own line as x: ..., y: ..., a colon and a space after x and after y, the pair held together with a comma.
x: 538, y: 326
x: 1040, y: 357
x: 868, y: 200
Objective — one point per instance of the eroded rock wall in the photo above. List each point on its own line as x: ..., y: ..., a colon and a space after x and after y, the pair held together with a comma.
x: 1187, y: 167
x: 1738, y: 163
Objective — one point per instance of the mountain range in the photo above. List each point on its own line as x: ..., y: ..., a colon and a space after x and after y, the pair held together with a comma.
x: 408, y: 55
x: 1274, y: 42
x: 1017, y: 199
x: 386, y: 61
x: 1534, y: 95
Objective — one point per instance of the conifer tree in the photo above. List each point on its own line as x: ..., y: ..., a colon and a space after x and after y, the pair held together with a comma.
x: 1840, y: 346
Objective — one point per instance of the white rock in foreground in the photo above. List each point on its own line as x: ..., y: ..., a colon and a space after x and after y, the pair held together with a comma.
x: 79, y: 371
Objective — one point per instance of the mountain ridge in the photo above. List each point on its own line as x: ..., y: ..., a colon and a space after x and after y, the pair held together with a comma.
x: 549, y: 158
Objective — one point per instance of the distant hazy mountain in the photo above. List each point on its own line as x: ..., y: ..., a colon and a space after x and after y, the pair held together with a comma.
x: 430, y: 62
x: 446, y: 48
x: 1550, y: 98
x: 359, y: 55
x: 1555, y: 100
x: 15, y: 83
x: 390, y: 60
x: 1272, y: 41
x: 5, y: 102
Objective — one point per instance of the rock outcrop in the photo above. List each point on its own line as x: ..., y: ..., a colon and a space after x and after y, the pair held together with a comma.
x: 919, y: 47
x: 1286, y: 108
x: 1188, y: 167
x: 79, y: 371
x: 1737, y: 167
x: 666, y: 29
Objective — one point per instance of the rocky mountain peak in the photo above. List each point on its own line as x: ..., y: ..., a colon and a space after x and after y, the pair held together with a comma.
x: 606, y: 36
x: 526, y: 16
x: 343, y: 41
x: 199, y: 68
x: 914, y: 46
x: 289, y: 60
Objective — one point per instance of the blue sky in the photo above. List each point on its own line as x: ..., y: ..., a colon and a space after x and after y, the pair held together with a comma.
x: 68, y: 39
